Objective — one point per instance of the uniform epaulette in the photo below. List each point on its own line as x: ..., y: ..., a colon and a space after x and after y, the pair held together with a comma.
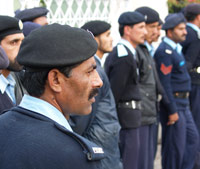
x: 168, y: 51
x: 121, y: 51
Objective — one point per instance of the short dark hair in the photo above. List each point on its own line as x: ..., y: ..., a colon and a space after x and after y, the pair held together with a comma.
x: 121, y: 30
x: 34, y: 81
x: 190, y: 16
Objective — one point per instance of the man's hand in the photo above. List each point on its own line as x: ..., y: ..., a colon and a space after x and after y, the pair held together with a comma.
x: 173, y: 118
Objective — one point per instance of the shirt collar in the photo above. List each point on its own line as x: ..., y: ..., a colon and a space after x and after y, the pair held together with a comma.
x: 44, y: 108
x: 5, y: 82
x: 97, y: 57
x: 175, y: 46
x: 128, y: 45
x: 150, y: 48
x: 194, y: 27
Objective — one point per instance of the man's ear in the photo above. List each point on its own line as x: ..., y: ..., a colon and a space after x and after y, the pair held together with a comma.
x: 55, y: 79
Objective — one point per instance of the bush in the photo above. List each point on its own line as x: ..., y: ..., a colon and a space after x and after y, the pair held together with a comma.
x: 175, y: 6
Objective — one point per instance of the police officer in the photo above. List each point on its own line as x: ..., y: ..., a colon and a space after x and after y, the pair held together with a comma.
x: 179, y: 133
x: 36, y: 15
x: 103, y: 126
x: 149, y: 87
x: 11, y: 36
x: 191, y: 52
x: 61, y: 81
x: 121, y: 68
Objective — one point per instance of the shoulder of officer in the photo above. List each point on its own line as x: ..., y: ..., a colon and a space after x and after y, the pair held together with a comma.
x: 121, y: 51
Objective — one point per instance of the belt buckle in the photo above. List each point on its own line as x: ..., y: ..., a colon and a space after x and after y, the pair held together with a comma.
x: 133, y: 104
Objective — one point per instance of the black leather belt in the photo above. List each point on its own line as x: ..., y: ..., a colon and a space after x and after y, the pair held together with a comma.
x: 181, y: 95
x: 130, y: 104
x: 196, y: 70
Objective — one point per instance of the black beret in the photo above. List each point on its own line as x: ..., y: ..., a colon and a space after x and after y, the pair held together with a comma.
x: 130, y: 18
x: 56, y: 46
x: 96, y: 27
x: 4, y: 62
x: 193, y: 8
x: 31, y: 14
x: 29, y: 27
x: 172, y: 20
x: 9, y: 25
x: 150, y: 14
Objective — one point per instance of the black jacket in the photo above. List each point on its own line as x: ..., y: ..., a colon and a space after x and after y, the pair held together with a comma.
x: 123, y: 75
x: 150, y: 85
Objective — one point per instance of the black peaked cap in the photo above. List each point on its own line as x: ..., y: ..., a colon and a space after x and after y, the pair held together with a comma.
x: 193, y: 8
x: 9, y: 25
x: 56, y: 46
x: 97, y: 27
x: 150, y: 14
x: 172, y: 20
x: 130, y: 18
x: 31, y: 14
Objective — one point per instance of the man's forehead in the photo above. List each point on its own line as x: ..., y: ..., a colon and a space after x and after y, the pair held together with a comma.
x: 14, y: 36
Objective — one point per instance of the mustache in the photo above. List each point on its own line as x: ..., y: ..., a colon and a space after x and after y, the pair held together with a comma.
x: 93, y: 93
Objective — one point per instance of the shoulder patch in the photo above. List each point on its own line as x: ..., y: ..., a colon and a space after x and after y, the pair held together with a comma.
x: 165, y: 69
x: 121, y: 51
x: 168, y: 51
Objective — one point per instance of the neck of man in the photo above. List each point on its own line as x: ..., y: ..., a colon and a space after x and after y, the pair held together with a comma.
x: 5, y: 72
x: 100, y: 53
x: 195, y: 22
x: 130, y: 41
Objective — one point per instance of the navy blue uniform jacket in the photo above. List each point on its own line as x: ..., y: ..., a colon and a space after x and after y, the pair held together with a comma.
x: 173, y: 75
x: 32, y: 141
x: 123, y: 76
x: 191, y: 51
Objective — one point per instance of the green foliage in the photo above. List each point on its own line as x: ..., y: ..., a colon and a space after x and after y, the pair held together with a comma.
x: 177, y: 5
x: 42, y: 3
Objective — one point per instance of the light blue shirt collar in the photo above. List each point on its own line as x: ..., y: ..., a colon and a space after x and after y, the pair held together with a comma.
x: 150, y: 48
x: 97, y: 57
x: 195, y: 28
x: 5, y: 82
x: 128, y: 45
x: 44, y: 108
x: 175, y: 46
x: 8, y: 85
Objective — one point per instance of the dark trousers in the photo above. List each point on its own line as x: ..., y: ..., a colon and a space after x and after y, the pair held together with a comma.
x: 129, y: 146
x: 179, y: 141
x: 146, y: 155
x: 195, y: 109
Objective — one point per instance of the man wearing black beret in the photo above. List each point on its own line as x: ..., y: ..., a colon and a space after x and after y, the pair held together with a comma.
x: 191, y: 51
x: 180, y: 137
x: 121, y: 68
x: 102, y: 126
x: 11, y: 36
x: 61, y: 80
x: 36, y: 15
